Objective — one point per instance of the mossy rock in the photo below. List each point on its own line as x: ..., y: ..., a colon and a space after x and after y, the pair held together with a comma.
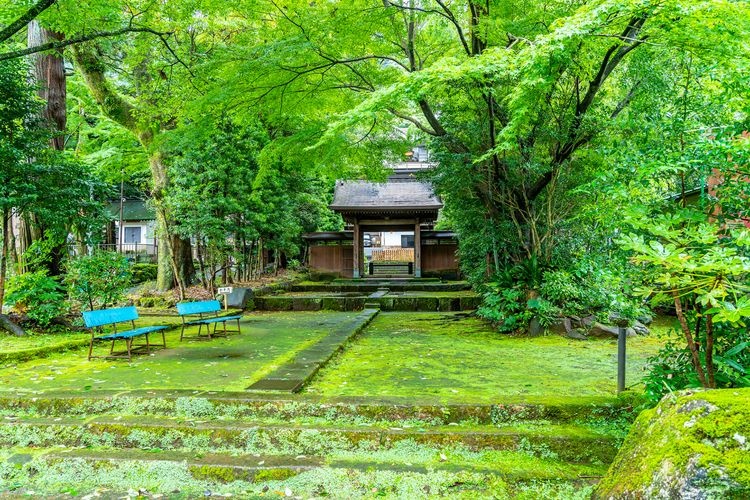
x: 695, y: 445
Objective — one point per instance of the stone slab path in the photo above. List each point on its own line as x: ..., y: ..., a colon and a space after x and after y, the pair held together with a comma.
x: 292, y: 376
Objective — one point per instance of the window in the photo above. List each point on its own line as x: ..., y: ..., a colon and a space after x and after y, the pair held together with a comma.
x: 132, y: 235
x: 407, y: 241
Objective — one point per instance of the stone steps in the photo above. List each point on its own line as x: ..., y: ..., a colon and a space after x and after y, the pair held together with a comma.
x: 235, y: 405
x: 187, y: 443
x: 574, y: 444
x: 425, y: 303
x: 107, y: 470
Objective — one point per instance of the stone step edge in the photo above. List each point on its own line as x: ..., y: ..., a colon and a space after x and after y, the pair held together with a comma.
x: 208, y: 463
x: 212, y: 403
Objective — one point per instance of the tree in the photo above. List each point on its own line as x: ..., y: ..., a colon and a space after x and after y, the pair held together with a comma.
x: 509, y: 93
x: 34, y: 178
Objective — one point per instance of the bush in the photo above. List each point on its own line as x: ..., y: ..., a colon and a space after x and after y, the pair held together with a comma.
x: 143, y: 272
x: 99, y: 279
x: 37, y: 295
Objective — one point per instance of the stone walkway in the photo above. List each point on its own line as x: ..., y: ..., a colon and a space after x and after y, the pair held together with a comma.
x: 292, y: 376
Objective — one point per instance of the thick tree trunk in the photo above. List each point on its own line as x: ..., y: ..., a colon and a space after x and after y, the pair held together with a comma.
x: 175, y: 261
x: 49, y: 74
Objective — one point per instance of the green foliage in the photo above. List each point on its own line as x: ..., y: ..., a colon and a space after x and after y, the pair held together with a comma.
x: 143, y: 272
x: 98, y: 280
x: 697, y: 258
x: 36, y: 295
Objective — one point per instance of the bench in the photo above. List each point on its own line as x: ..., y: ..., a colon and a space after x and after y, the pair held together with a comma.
x: 101, y: 317
x: 207, y: 307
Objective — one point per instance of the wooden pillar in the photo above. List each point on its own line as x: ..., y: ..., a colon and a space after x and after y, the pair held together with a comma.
x: 417, y: 250
x: 357, y: 264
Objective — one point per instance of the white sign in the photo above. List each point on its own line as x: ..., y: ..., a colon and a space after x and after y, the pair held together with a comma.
x: 225, y: 289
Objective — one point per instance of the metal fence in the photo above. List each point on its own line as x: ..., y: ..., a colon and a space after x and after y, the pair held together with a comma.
x: 135, y: 252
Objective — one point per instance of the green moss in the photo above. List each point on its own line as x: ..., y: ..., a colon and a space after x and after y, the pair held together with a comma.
x: 456, y: 357
x: 698, y: 441
x: 230, y: 363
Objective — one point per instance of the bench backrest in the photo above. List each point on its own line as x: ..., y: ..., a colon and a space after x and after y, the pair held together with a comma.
x: 109, y: 316
x: 203, y: 306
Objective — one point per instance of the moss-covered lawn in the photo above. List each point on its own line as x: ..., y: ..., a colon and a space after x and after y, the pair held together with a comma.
x: 233, y: 363
x: 452, y: 357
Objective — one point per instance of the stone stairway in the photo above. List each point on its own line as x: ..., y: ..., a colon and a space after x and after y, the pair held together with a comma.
x: 181, y: 444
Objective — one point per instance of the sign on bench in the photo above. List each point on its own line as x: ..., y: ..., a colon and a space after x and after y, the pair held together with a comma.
x: 207, y: 307
x: 113, y: 316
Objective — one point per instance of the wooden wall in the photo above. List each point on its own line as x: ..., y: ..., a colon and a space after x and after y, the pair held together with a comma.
x: 335, y: 260
x: 440, y: 260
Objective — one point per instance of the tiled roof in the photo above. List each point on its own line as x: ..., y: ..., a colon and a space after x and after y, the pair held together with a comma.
x: 132, y: 210
x: 391, y: 195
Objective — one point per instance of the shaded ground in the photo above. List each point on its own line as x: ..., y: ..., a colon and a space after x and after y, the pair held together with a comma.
x: 449, y: 356
x: 230, y: 363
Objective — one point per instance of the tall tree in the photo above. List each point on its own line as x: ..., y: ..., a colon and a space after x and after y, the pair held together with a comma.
x: 510, y: 93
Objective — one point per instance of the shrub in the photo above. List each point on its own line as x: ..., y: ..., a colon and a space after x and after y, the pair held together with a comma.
x: 143, y: 272
x: 37, y: 295
x: 99, y: 279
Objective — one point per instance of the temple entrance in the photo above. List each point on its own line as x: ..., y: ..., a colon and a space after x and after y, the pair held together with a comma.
x: 389, y: 232
x: 389, y: 254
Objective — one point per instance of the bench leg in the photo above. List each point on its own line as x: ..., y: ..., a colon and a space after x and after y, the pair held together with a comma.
x: 182, y: 332
x: 148, y: 346
x: 91, y: 347
x: 163, y: 339
x: 128, y: 343
x: 238, y: 326
x: 225, y: 328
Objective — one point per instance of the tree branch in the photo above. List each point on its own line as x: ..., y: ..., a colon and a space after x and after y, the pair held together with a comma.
x: 421, y: 126
x: 59, y: 44
x: 25, y: 19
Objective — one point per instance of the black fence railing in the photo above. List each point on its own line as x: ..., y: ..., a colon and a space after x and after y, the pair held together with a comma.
x: 135, y: 252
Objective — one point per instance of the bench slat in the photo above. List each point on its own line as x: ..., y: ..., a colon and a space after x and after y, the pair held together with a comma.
x: 200, y: 307
x: 109, y: 316
x: 132, y: 333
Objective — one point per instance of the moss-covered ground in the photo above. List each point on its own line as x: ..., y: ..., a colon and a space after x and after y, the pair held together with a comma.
x: 230, y: 363
x: 455, y: 357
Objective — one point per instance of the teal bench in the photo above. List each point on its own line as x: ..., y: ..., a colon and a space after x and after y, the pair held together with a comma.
x: 95, y: 319
x: 207, y: 307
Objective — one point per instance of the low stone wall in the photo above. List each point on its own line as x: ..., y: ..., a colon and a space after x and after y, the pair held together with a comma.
x: 386, y: 303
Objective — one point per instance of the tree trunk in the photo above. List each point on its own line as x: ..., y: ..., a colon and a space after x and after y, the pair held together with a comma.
x: 49, y: 74
x: 4, y: 255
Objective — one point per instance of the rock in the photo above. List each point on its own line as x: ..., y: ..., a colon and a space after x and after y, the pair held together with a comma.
x: 587, y: 321
x: 239, y: 297
x: 686, y: 447
x: 607, y: 331
x: 646, y: 319
x: 535, y: 328
x: 641, y: 329
x: 577, y: 334
x: 561, y: 326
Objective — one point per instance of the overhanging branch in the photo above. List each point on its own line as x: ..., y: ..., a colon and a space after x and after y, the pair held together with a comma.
x: 59, y: 44
x: 25, y: 19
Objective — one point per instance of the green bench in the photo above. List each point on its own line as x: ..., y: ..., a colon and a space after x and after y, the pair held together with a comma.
x: 101, y: 317
x: 207, y: 307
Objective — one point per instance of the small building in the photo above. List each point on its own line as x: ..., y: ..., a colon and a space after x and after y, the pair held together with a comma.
x: 138, y: 233
x: 402, y: 205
